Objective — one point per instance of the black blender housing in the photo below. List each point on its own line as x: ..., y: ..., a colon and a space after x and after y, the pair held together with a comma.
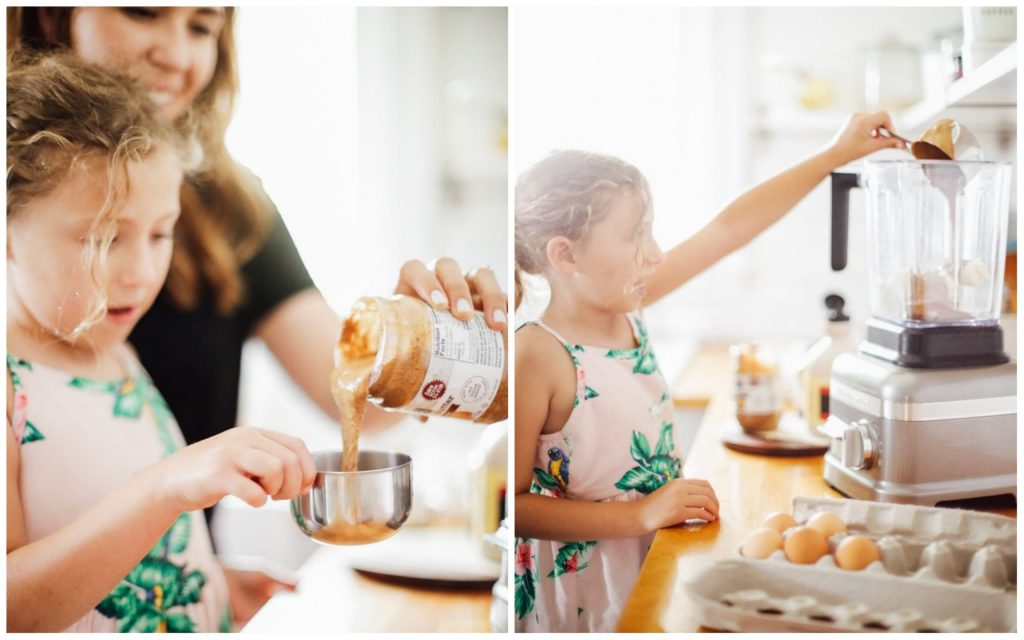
x: 941, y: 347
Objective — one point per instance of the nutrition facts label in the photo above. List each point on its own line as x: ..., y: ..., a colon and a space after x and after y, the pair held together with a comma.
x: 467, y: 360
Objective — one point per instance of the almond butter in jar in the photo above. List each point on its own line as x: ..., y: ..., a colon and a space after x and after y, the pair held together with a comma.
x: 756, y: 392
x: 427, y: 361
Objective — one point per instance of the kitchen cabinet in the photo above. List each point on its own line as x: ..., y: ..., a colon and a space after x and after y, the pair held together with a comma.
x: 986, y: 97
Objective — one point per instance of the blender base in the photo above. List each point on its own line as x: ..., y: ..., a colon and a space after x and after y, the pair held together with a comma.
x: 861, y: 486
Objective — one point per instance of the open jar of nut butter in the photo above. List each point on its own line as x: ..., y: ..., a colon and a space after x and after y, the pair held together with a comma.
x: 756, y: 392
x: 427, y: 361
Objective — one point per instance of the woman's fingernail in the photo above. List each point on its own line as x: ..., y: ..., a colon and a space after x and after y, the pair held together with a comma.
x: 463, y: 306
x: 499, y: 316
x: 438, y: 297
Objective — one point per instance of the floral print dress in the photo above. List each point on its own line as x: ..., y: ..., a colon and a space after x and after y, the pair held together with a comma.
x: 80, y: 439
x: 617, y: 445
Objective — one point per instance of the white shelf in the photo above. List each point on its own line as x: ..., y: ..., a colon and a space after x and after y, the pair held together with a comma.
x: 984, y: 100
x: 985, y: 97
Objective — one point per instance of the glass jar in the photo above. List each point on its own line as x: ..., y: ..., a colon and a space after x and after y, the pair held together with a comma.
x: 427, y: 361
x: 756, y: 392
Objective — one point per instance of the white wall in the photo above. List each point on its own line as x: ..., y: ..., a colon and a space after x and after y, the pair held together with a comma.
x: 704, y: 102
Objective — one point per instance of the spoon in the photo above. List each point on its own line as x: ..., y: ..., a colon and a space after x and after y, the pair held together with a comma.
x: 922, y: 149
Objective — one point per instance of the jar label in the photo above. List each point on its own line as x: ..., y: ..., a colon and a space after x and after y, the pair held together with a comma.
x: 756, y: 394
x: 467, y: 360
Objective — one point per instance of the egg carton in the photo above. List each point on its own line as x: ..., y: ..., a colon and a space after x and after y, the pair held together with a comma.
x: 949, y: 545
x: 967, y: 548
x: 913, y: 522
x: 753, y: 595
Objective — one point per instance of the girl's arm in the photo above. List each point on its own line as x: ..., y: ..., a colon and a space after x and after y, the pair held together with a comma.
x: 301, y: 331
x: 56, y: 580
x: 759, y: 208
x: 540, y: 516
x: 544, y: 382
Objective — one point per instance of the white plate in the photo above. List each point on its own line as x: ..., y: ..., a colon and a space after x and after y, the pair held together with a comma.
x: 428, y: 553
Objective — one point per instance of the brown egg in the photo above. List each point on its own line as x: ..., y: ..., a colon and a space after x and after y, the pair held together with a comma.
x: 779, y: 521
x: 805, y: 545
x: 856, y: 552
x: 827, y: 523
x: 761, y: 543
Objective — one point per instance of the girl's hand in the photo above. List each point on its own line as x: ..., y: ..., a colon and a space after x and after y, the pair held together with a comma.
x: 444, y: 286
x: 676, y: 501
x: 248, y: 463
x: 859, y: 137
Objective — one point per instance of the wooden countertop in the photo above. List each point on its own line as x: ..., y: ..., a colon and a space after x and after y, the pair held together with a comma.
x: 335, y: 598
x: 749, y: 487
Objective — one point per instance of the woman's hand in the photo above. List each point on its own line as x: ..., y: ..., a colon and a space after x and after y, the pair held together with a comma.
x: 676, y: 501
x: 859, y: 137
x: 248, y: 463
x: 444, y: 286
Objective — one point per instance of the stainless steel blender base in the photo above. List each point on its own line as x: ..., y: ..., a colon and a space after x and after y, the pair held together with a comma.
x: 859, y: 485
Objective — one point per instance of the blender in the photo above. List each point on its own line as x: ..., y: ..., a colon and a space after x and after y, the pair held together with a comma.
x: 925, y: 412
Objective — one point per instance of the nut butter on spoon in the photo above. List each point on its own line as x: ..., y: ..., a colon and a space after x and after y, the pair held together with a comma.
x: 920, y: 149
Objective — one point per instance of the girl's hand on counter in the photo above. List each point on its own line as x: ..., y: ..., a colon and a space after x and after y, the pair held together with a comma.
x: 248, y: 463
x: 677, y: 501
x: 444, y: 286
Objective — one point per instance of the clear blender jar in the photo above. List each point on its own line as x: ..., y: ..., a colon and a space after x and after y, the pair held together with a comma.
x: 936, y: 234
x: 937, y: 240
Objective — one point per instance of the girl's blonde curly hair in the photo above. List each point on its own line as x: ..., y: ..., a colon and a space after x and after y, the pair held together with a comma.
x: 62, y: 112
x: 565, y: 194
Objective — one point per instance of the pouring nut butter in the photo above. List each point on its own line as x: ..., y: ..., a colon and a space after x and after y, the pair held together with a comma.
x: 401, y: 354
x: 414, y: 358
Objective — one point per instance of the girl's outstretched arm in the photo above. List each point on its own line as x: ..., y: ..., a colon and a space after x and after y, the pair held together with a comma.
x: 759, y: 208
x: 538, y: 375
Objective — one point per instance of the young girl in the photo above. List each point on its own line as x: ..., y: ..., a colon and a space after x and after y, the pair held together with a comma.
x: 103, y: 532
x: 596, y: 471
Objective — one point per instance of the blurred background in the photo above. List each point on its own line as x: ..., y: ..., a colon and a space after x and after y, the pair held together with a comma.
x: 708, y: 102
x: 381, y: 135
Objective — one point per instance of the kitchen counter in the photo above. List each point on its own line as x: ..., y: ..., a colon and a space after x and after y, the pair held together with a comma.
x: 335, y: 598
x: 749, y: 487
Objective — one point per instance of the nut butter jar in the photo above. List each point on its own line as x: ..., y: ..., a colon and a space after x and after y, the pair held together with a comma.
x: 427, y: 361
x: 756, y: 391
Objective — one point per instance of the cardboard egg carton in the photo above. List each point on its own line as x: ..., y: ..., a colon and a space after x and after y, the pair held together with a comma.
x: 940, y: 570
x: 948, y: 545
x: 754, y: 595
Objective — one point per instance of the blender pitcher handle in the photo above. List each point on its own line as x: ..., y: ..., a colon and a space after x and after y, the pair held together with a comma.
x: 841, y: 185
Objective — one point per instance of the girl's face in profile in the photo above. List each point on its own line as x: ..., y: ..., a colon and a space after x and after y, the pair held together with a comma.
x: 171, y: 50
x: 49, y: 282
x: 618, y: 255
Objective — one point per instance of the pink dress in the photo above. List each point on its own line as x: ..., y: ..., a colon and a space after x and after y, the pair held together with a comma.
x: 80, y: 439
x: 617, y: 445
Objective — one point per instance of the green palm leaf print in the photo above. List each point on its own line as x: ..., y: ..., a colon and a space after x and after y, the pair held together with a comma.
x: 652, y: 470
x: 570, y: 558
x: 149, y: 598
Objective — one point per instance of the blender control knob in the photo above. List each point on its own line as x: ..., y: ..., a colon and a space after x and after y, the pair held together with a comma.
x: 857, y: 449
